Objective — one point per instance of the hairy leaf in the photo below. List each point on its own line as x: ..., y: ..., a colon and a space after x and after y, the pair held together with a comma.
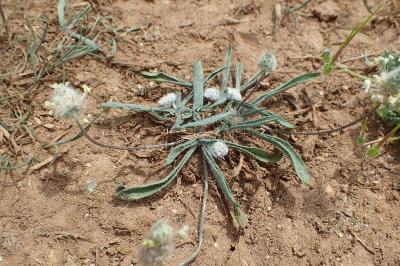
x: 147, y: 190
x: 252, y: 110
x: 291, y: 83
x: 61, y: 13
x: 207, y: 121
x: 252, y: 81
x: 257, y: 153
x: 255, y: 123
x: 136, y: 107
x: 213, y: 74
x: 198, y: 83
x: 177, y: 150
x: 225, y: 78
x: 224, y: 186
x: 162, y: 77
x: 238, y: 74
x: 288, y: 150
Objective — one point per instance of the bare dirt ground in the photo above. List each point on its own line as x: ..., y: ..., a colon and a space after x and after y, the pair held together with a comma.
x: 350, y: 215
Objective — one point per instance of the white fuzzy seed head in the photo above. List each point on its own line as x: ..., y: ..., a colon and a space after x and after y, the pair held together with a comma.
x: 66, y: 101
x: 219, y: 149
x: 167, y: 100
x: 233, y: 94
x: 268, y: 62
x: 212, y: 94
x: 158, y: 245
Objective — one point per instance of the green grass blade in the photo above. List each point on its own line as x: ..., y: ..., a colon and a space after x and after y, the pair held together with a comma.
x: 291, y: 83
x: 177, y: 150
x: 162, y: 77
x: 289, y: 151
x: 257, y: 153
x: 224, y: 186
x: 147, y: 190
x: 357, y: 29
x: 198, y: 91
x: 135, y: 107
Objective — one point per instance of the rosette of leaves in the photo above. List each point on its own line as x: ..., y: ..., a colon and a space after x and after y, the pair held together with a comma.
x: 194, y: 116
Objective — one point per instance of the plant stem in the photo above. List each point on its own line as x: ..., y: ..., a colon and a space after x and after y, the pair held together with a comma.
x: 357, y: 29
x: 391, y: 133
x: 202, y: 215
x: 345, y: 69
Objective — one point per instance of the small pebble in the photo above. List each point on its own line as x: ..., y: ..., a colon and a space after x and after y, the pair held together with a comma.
x: 329, y: 190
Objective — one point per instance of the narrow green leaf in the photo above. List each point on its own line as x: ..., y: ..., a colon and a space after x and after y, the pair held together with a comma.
x: 162, y: 77
x: 238, y: 74
x: 252, y: 81
x: 198, y: 91
x: 147, y: 190
x: 255, y: 123
x: 257, y: 153
x: 225, y: 78
x: 86, y: 41
x: 252, y: 110
x: 178, y: 109
x: 224, y: 186
x: 288, y: 150
x: 76, y: 17
x: 291, y: 83
x: 207, y: 121
x: 177, y: 150
x: 135, y: 107
x: 61, y: 14
x: 213, y: 74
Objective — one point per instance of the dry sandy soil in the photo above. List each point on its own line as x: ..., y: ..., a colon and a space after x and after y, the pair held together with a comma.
x: 350, y: 215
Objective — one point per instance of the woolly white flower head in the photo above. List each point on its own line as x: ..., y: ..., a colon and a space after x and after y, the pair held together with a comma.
x: 167, y: 100
x: 219, y: 149
x: 391, y: 80
x: 66, y: 101
x: 268, y: 62
x: 212, y: 94
x: 367, y: 85
x: 158, y: 245
x: 233, y: 94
